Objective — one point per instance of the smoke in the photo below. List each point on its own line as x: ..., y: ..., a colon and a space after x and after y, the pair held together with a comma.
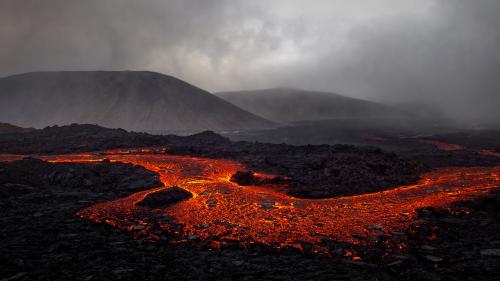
x: 445, y: 53
x: 451, y: 61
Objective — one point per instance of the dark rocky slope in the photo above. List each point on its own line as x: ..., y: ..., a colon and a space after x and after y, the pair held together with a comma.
x: 76, y: 138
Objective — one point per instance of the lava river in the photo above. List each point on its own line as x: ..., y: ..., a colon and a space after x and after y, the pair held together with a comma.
x: 220, y: 211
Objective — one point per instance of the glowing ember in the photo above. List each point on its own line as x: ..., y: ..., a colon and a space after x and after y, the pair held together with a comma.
x: 490, y: 153
x: 10, y: 157
x: 221, y: 211
x: 443, y: 145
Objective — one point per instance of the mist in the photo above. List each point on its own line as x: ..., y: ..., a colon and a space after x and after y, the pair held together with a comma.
x: 445, y: 54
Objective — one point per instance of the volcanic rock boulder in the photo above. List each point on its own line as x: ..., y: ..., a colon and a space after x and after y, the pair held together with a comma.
x: 245, y: 178
x: 111, y: 179
x: 165, y: 198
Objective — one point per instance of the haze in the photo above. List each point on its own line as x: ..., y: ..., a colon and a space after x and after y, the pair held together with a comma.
x: 433, y: 52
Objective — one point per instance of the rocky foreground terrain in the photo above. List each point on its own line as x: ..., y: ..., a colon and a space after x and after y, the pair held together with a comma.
x: 41, y: 239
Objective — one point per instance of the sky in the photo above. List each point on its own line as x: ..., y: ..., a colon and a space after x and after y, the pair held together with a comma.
x: 444, y: 53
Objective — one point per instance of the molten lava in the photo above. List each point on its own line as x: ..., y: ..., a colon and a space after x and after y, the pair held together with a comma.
x: 490, y: 153
x: 222, y: 212
x: 443, y: 145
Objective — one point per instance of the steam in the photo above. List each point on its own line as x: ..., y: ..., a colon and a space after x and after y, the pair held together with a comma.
x: 439, y: 52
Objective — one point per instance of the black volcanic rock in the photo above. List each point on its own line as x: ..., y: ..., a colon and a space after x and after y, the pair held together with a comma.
x: 133, y: 100
x: 288, y: 105
x: 245, y: 178
x: 206, y: 138
x: 165, y: 197
x: 75, y: 138
x: 116, y: 178
x: 87, y: 137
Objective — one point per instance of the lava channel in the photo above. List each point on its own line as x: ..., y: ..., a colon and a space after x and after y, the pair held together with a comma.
x: 221, y: 211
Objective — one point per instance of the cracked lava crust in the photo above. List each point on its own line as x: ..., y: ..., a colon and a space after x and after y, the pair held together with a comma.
x: 219, y: 211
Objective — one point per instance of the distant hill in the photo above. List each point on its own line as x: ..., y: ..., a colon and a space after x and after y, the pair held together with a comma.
x: 133, y: 100
x: 287, y: 105
x: 6, y: 128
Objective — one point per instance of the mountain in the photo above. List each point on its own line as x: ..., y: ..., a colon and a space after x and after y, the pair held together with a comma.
x: 288, y: 105
x: 133, y: 100
x: 6, y: 128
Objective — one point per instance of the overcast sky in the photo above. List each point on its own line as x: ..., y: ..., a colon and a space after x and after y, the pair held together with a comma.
x: 445, y: 52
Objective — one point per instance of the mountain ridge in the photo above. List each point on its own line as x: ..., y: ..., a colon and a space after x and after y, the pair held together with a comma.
x: 291, y: 105
x: 6, y: 128
x: 134, y: 100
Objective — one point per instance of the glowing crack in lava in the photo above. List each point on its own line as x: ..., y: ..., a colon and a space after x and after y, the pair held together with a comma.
x: 221, y: 211
x: 490, y: 153
x: 443, y: 145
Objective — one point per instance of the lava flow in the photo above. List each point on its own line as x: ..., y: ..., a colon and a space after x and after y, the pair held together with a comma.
x: 220, y: 211
x: 490, y: 153
x: 443, y: 145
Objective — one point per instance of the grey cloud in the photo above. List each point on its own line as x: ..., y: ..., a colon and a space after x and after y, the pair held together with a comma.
x: 440, y: 52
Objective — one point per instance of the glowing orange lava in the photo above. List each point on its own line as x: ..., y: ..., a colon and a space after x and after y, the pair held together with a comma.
x: 221, y: 211
x: 443, y: 145
x: 11, y: 157
x: 490, y: 153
